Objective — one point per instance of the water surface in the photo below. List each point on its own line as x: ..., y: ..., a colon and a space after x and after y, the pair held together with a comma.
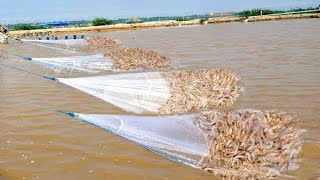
x: 278, y: 61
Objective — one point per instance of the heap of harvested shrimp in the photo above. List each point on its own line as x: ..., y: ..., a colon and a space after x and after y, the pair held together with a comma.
x: 202, y: 89
x: 101, y: 44
x: 249, y: 144
x: 137, y: 58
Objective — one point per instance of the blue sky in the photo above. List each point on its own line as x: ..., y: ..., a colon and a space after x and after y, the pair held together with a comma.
x: 20, y: 11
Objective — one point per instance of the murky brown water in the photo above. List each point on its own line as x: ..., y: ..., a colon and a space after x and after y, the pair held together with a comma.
x: 278, y: 62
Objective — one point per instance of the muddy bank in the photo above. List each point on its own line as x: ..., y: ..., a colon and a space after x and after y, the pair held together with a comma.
x: 282, y: 17
x: 119, y: 27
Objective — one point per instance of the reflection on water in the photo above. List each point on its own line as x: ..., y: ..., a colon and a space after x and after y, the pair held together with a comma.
x: 278, y: 61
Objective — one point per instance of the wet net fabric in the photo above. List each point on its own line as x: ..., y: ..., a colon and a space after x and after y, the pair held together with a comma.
x: 62, y: 41
x: 241, y: 144
x: 134, y: 92
x: 172, y: 92
x: 174, y: 137
x: 93, y: 64
x: 67, y: 45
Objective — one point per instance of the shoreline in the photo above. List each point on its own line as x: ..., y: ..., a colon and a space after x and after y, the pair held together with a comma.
x: 157, y: 24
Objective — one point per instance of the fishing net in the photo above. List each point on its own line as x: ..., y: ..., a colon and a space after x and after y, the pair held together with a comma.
x: 73, y: 45
x: 163, y: 92
x: 66, y: 45
x: 238, y: 145
x: 185, y: 144
x: 93, y: 63
x: 118, y: 60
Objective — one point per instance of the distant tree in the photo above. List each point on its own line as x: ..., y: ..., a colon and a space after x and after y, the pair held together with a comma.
x: 101, y: 22
x: 81, y: 23
x: 182, y: 19
x: 17, y: 27
x: 257, y: 12
x: 303, y: 9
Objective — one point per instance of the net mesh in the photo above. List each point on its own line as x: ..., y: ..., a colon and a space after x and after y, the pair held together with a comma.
x: 73, y: 45
x: 115, y: 59
x: 93, y: 64
x: 134, y: 92
x: 152, y: 91
x: 174, y: 137
x: 123, y: 60
x: 242, y: 144
x: 66, y: 45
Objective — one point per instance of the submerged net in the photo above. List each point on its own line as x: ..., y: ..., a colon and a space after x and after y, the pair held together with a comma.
x: 73, y: 45
x: 164, y: 93
x: 238, y: 145
x: 137, y: 58
x: 121, y: 60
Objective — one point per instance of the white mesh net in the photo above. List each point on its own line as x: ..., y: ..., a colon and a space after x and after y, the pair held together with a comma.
x: 134, y: 92
x: 93, y: 64
x: 174, y: 137
x: 66, y: 45
x: 163, y: 92
x: 242, y: 144
x: 62, y: 41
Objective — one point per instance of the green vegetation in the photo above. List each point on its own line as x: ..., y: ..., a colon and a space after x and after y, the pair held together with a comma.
x: 83, y: 23
x: 101, y: 22
x: 257, y: 12
x: 182, y: 19
x: 18, y: 27
x: 302, y: 9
